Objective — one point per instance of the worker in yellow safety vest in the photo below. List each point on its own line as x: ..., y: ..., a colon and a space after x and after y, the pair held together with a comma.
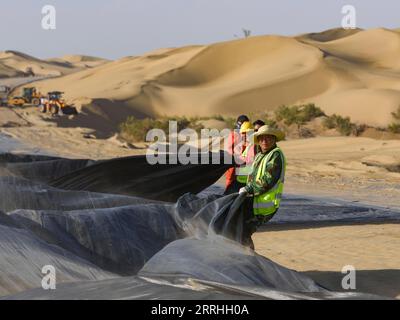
x: 264, y: 185
x: 248, y: 153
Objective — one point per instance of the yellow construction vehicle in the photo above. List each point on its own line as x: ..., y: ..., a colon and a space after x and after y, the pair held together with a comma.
x: 54, y: 103
x: 15, y: 101
x: 31, y: 95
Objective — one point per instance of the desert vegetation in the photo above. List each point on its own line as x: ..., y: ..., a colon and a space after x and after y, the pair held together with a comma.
x: 298, y: 114
x: 295, y: 120
x: 135, y: 130
x: 395, y: 126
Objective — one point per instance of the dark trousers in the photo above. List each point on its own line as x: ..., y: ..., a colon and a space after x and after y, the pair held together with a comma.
x: 252, y: 222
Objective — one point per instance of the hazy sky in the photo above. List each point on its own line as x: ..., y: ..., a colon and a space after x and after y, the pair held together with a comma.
x: 117, y: 28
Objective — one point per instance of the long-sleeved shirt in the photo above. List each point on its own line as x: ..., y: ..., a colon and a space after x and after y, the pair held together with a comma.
x: 233, y: 142
x: 269, y: 179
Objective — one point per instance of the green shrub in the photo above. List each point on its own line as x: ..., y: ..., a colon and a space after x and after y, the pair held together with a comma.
x: 310, y: 111
x: 218, y: 117
x: 134, y: 129
x: 298, y: 114
x: 330, y: 122
x: 396, y: 114
x: 286, y: 114
x: 343, y: 125
x: 359, y: 129
x: 394, y: 127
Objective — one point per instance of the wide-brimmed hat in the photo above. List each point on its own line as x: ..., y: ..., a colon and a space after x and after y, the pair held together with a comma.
x: 269, y: 130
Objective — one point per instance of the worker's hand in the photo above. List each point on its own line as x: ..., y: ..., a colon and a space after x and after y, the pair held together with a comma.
x: 243, y: 191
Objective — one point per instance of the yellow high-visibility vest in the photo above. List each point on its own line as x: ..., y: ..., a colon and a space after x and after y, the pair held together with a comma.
x: 269, y: 202
x: 243, y: 172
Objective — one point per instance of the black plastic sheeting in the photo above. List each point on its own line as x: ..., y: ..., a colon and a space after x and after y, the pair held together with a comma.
x: 134, y: 176
x: 108, y: 229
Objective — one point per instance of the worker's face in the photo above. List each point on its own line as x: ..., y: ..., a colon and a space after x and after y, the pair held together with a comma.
x: 256, y: 127
x: 266, y: 142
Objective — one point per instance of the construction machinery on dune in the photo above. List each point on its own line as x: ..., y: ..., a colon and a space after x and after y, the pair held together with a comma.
x: 31, y: 95
x: 15, y: 101
x: 54, y: 103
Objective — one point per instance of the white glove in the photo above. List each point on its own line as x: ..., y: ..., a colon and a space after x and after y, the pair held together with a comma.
x: 243, y: 190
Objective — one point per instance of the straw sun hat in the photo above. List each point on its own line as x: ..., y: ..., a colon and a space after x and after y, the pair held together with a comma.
x: 268, y: 130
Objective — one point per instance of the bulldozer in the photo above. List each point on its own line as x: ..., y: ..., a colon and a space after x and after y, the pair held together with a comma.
x: 31, y: 95
x: 54, y: 103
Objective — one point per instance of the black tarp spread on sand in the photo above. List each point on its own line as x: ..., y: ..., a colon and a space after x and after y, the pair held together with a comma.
x: 123, y: 229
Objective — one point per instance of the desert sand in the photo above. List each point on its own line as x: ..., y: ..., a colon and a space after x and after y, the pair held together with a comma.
x: 353, y: 73
x: 79, y: 61
x: 322, y: 251
x: 357, y: 169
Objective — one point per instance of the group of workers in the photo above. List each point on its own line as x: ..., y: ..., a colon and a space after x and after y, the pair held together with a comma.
x: 258, y: 172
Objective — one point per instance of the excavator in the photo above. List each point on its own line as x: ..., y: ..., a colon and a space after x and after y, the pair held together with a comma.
x: 54, y: 103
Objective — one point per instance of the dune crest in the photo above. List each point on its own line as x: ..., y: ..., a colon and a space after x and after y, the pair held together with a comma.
x: 79, y: 61
x: 17, y: 64
x: 349, y: 72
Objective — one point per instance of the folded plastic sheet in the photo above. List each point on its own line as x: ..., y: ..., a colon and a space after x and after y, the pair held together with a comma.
x: 119, y: 239
x: 218, y: 260
x: 135, y: 176
x: 23, y: 254
x: 130, y: 247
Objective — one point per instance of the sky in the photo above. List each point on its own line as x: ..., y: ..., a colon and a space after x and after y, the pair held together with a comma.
x: 116, y: 28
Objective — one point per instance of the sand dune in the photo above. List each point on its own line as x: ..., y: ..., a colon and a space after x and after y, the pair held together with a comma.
x: 350, y: 72
x: 14, y: 64
x: 79, y: 61
x: 375, y: 48
x: 329, y: 35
